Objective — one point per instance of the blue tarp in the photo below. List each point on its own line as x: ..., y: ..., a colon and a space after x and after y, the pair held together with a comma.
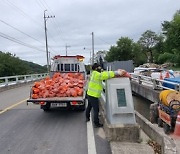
x: 174, y: 80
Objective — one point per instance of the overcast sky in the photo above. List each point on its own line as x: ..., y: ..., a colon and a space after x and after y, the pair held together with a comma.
x: 22, y: 21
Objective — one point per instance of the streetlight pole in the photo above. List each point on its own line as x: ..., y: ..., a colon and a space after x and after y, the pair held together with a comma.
x: 92, y: 48
x: 90, y: 60
x: 67, y: 46
x: 45, y: 29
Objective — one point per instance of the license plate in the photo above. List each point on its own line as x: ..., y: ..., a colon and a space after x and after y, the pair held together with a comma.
x: 58, y: 104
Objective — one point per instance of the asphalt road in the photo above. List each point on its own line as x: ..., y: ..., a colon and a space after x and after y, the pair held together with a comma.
x: 29, y: 130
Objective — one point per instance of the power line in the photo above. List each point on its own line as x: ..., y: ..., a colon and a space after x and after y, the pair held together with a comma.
x: 22, y: 12
x: 20, y: 31
x: 45, y: 5
x: 40, y: 3
x: 25, y: 15
x: 103, y: 41
x: 19, y: 42
x: 24, y: 33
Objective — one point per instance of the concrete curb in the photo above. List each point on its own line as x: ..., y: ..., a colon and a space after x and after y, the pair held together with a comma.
x: 167, y: 143
x: 130, y: 148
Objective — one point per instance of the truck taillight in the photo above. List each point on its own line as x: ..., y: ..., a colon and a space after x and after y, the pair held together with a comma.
x: 74, y: 103
x: 42, y: 103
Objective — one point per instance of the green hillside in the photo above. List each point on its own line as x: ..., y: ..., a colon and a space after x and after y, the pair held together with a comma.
x: 11, y: 65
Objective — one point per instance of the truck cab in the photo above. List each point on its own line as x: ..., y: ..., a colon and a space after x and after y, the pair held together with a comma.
x: 68, y: 64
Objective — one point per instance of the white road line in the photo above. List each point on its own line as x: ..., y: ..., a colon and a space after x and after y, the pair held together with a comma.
x: 90, y: 138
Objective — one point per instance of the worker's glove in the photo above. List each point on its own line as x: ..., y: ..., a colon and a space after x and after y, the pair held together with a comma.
x: 120, y: 72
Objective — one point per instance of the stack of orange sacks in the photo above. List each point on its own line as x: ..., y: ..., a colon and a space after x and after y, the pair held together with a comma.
x: 60, y: 85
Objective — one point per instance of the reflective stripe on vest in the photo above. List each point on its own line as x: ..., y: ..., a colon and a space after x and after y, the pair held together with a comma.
x: 95, y: 84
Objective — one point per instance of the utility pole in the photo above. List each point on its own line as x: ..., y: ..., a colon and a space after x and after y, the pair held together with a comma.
x: 92, y: 48
x: 67, y: 46
x: 45, y: 29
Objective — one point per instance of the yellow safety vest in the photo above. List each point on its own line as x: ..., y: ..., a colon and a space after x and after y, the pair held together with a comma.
x: 95, y: 86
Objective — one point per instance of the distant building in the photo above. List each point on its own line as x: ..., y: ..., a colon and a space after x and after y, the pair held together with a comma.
x: 99, y: 56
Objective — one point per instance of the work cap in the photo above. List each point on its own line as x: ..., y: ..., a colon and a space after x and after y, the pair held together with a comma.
x: 95, y: 65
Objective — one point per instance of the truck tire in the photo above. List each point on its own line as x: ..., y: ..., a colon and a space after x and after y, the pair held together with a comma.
x: 83, y: 107
x: 45, y: 107
x: 46, y: 110
x: 153, y: 113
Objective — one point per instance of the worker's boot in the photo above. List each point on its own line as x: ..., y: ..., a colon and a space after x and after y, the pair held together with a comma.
x: 98, y: 125
x: 87, y: 119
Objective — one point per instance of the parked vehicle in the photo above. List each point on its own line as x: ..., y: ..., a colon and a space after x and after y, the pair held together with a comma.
x: 64, y: 88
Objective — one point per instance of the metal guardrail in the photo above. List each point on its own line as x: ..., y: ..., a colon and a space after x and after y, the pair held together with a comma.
x: 156, y: 84
x: 11, y: 80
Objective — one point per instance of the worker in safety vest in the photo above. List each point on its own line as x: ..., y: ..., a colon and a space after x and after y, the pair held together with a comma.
x: 95, y: 88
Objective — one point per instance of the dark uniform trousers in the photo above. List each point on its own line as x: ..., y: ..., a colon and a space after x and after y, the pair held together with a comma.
x: 93, y: 102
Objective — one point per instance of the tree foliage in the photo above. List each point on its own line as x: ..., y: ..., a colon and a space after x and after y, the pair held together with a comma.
x: 165, y: 57
x: 122, y: 51
x: 11, y: 65
x: 138, y: 56
x: 171, y: 30
x: 148, y: 40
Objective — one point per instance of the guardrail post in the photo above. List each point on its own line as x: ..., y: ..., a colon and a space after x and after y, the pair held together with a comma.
x: 177, y: 87
x: 25, y: 79
x: 139, y: 79
x: 17, y: 79
x: 31, y: 77
x: 154, y: 84
x: 6, y: 81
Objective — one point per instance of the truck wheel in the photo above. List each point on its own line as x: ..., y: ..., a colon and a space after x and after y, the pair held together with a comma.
x: 160, y: 122
x: 45, y: 107
x: 154, y: 113
x: 166, y: 128
x: 46, y: 110
x: 82, y: 108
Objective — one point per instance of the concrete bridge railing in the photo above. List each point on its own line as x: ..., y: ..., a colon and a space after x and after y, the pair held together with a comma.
x: 16, y: 81
x: 10, y: 80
